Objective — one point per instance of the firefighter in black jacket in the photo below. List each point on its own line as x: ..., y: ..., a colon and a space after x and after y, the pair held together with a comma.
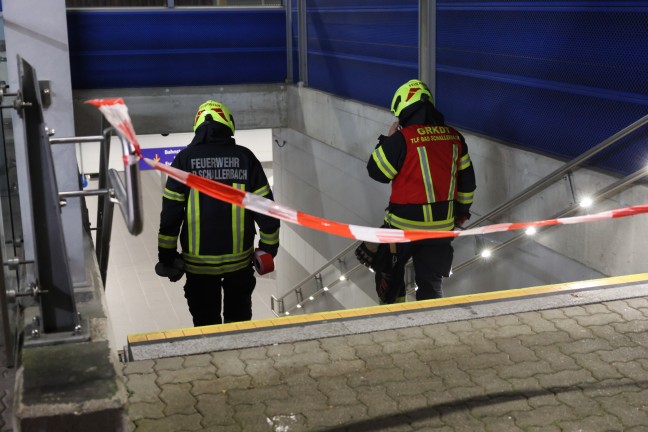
x: 432, y: 187
x: 217, y: 238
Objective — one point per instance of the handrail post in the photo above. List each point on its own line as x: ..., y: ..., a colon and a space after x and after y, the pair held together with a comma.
x: 104, y: 207
x: 299, y: 295
x: 342, y: 264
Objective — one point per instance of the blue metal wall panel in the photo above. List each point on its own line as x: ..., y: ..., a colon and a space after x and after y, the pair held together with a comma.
x: 546, y: 120
x: 295, y: 41
x: 362, y: 49
x: 553, y: 76
x: 156, y: 48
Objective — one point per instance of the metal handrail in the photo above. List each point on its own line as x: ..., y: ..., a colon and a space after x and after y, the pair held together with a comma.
x: 409, y: 284
x: 300, y: 303
x: 111, y: 190
x: 76, y: 140
x: 129, y: 197
x: 557, y: 174
x: 606, y: 192
x: 522, y: 196
x: 279, y: 300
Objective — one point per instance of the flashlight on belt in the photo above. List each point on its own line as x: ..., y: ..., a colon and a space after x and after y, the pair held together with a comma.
x: 263, y: 262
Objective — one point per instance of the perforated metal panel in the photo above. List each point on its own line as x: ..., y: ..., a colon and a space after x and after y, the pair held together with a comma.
x: 554, y: 76
x: 362, y: 49
x: 152, y: 48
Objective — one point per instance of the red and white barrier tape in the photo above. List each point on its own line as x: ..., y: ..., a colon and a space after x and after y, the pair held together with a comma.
x: 116, y: 113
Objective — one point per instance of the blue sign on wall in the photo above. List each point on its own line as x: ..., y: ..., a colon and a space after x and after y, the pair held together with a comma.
x: 163, y: 155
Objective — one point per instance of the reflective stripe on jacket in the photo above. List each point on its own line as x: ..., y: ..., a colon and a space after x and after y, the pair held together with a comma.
x: 429, y: 172
x: 216, y: 237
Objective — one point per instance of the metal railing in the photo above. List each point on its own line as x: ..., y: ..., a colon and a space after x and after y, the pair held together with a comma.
x: 604, y: 193
x: 46, y: 289
x: 560, y: 172
x: 111, y: 190
x: 278, y: 304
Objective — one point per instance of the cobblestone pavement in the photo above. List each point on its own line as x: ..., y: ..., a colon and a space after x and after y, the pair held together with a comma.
x: 582, y: 368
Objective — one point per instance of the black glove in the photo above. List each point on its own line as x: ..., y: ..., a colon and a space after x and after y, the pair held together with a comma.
x: 461, y: 219
x: 174, y: 272
x: 376, y: 256
x: 168, y: 256
x: 271, y: 249
x: 366, y: 252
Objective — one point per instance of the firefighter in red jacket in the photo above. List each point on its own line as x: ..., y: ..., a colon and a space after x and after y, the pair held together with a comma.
x: 432, y: 187
x: 216, y: 237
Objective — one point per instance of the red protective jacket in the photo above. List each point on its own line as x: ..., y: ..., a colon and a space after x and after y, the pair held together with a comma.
x: 432, y: 177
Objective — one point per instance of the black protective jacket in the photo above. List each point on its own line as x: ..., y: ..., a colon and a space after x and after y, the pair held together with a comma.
x: 216, y: 237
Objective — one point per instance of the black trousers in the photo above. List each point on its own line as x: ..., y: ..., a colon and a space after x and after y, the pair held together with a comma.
x: 432, y: 261
x: 206, y: 293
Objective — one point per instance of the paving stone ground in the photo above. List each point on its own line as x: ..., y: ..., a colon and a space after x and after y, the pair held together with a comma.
x: 582, y: 368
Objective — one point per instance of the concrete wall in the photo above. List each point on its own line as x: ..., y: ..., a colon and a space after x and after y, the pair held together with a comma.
x: 41, y: 39
x: 323, y: 181
x: 319, y: 166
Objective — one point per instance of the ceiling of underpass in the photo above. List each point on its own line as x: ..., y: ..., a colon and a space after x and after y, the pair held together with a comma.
x: 171, y: 110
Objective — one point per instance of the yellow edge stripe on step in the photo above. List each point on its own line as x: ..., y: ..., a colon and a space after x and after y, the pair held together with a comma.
x: 376, y: 310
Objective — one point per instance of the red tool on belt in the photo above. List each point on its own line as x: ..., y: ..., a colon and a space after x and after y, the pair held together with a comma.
x: 263, y: 262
